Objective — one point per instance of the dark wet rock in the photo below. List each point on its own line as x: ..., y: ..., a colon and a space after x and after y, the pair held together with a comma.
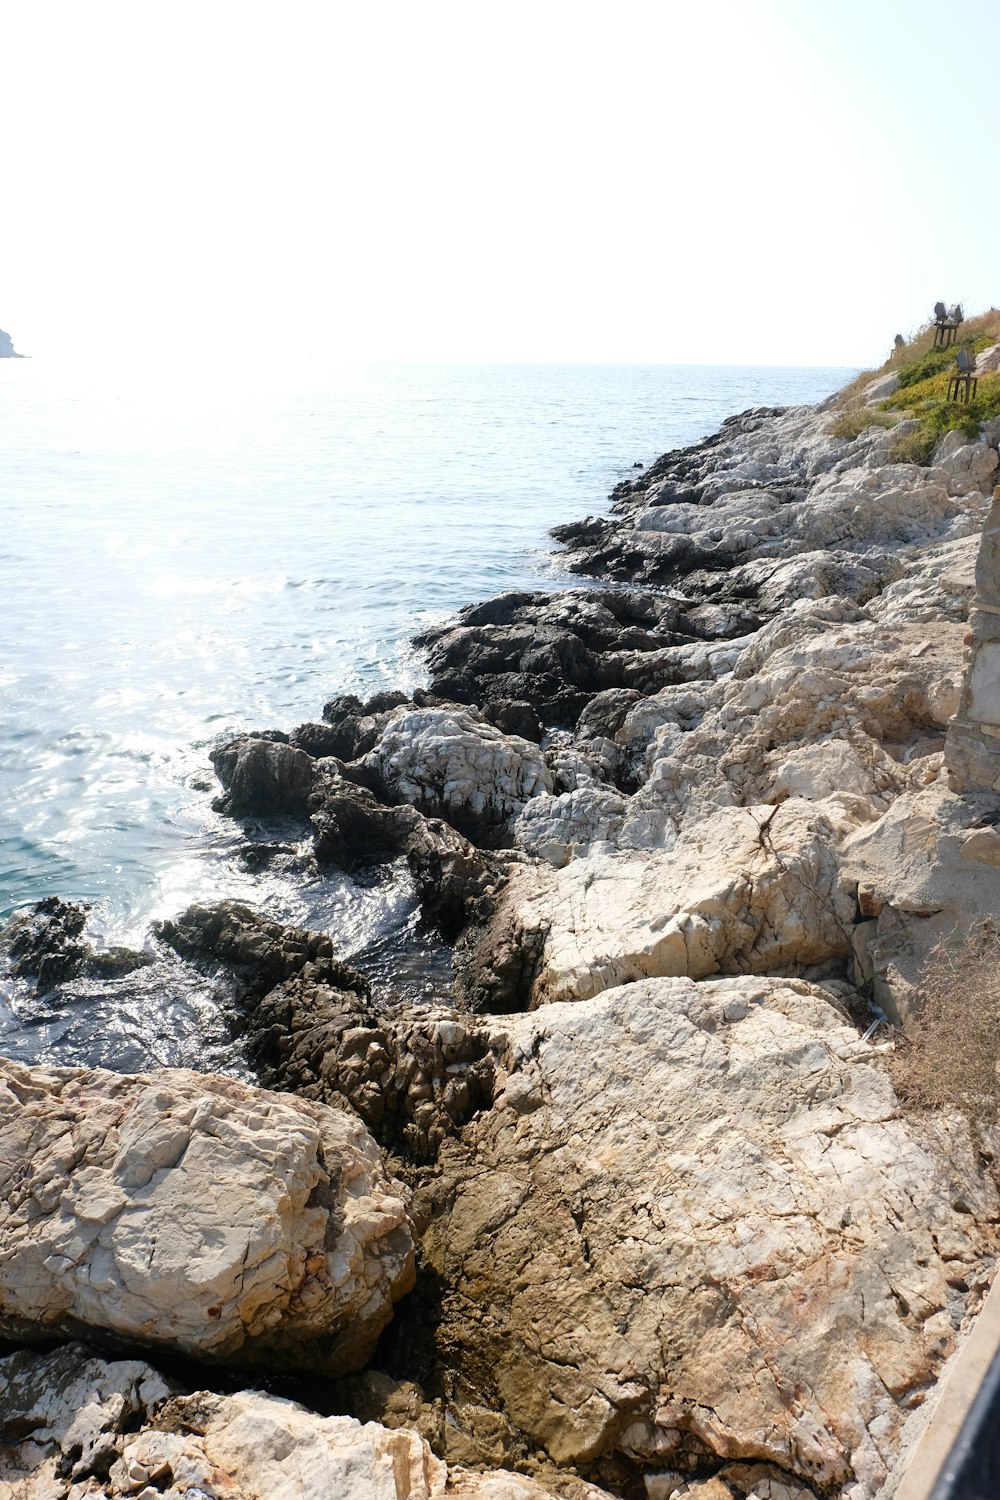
x: 455, y: 881
x: 46, y: 943
x: 586, y: 532
x: 323, y: 741
x: 114, y: 962
x: 352, y: 829
x: 605, y: 714
x: 414, y: 1075
x: 262, y: 777
x: 553, y: 652
x: 497, y: 961
x: 263, y: 855
x: 353, y: 727
x: 257, y: 952
x: 512, y: 716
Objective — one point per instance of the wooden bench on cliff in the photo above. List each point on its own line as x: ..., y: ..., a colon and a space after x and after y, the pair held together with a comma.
x: 947, y: 322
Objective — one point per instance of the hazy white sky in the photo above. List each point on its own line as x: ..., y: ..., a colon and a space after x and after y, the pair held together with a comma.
x: 745, y: 181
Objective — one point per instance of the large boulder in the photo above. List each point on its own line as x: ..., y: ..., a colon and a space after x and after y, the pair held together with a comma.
x: 194, y: 1214
x: 880, y: 389
x: 970, y: 467
x: 696, y: 1227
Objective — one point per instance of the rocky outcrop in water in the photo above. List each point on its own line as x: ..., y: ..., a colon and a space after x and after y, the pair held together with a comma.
x: 46, y: 943
x: 7, y: 350
x: 413, y: 1074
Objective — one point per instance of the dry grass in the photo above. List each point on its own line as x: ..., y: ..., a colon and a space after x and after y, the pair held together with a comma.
x: 948, y: 1058
x: 920, y: 344
x: 854, y: 419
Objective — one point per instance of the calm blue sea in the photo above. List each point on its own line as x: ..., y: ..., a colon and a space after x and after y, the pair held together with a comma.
x: 189, y: 551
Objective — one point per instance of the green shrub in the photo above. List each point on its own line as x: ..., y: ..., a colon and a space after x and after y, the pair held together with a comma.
x: 928, y: 402
x: 923, y: 393
x: 937, y: 360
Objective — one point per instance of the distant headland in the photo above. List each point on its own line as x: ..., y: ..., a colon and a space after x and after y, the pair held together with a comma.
x: 7, y: 350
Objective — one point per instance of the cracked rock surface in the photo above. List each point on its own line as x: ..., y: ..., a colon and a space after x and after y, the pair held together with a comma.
x: 696, y: 1224
x: 194, y: 1214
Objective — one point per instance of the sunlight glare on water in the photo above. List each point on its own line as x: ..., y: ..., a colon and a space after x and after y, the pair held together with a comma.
x: 188, y: 551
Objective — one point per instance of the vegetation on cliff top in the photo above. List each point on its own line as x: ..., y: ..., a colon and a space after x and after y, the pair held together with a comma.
x: 920, y: 407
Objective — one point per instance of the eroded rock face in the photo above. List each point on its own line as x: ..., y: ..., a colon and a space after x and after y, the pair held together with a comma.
x: 73, y: 1425
x: 414, y: 1075
x: 195, y: 1214
x: 695, y: 1224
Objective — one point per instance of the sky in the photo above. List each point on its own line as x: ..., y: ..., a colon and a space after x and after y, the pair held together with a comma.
x: 741, y: 182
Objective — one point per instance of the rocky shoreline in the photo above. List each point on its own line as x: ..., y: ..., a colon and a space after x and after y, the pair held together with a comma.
x: 636, y: 1209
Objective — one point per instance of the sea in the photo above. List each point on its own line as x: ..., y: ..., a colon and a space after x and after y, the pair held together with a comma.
x: 189, y: 550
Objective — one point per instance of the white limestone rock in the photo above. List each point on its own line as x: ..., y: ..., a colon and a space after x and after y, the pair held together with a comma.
x: 558, y: 829
x: 928, y: 866
x: 753, y: 889
x: 880, y: 389
x: 864, y: 705
x: 703, y: 1227
x: 938, y: 585
x: 67, y: 1418
x: 452, y: 765
x: 970, y: 467
x: 195, y: 1214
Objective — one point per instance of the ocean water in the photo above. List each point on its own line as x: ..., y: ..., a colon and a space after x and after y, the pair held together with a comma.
x: 188, y: 551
